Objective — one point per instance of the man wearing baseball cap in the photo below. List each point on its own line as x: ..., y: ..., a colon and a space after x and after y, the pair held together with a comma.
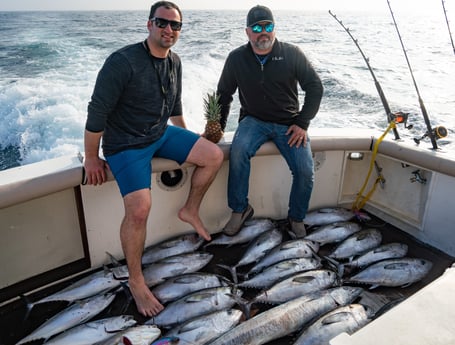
x: 259, y: 14
x: 267, y: 74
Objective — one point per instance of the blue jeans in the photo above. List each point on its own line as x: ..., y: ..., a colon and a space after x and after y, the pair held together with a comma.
x: 249, y: 136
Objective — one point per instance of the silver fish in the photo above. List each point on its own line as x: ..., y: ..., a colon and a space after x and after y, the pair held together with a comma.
x: 334, y: 232
x: 287, y: 318
x: 137, y: 335
x: 297, y: 285
x: 393, y: 272
x: 196, y: 304
x: 250, y: 230
x: 260, y: 246
x: 174, y: 288
x: 94, y: 331
x: 279, y: 271
x: 349, y: 319
x: 186, y: 243
x: 385, y: 251
x: 298, y: 248
x: 88, y: 286
x: 357, y: 244
x: 172, y: 266
x: 328, y: 215
x: 77, y: 313
x: 205, y: 328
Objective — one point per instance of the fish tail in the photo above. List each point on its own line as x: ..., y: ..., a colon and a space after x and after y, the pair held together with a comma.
x: 246, y: 308
x: 129, y: 296
x: 336, y: 266
x: 232, y: 270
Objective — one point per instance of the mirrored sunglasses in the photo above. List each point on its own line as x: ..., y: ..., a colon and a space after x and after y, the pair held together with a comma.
x: 257, y: 28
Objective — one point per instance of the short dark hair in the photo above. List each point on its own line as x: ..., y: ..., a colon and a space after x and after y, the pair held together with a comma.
x: 167, y: 4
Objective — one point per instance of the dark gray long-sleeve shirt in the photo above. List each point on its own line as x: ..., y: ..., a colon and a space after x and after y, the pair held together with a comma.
x: 269, y: 91
x: 134, y: 96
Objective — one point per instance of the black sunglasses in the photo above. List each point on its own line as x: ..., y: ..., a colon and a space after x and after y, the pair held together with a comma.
x: 162, y: 23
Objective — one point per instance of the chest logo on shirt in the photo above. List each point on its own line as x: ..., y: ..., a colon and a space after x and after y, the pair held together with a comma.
x: 277, y: 58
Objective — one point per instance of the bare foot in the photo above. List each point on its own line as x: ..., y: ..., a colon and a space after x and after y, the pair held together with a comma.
x: 146, y: 302
x: 196, y: 222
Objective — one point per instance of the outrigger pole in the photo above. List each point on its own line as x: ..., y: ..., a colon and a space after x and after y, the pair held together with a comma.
x: 385, y: 104
x: 430, y: 132
x: 448, y: 26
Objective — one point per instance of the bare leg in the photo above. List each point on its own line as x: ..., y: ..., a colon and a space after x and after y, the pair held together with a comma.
x: 132, y: 235
x: 208, y: 158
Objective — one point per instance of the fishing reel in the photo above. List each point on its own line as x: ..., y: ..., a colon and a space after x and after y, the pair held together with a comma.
x: 437, y: 133
x: 400, y: 117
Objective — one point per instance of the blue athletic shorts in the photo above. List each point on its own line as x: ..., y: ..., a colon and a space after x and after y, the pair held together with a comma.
x: 132, y: 168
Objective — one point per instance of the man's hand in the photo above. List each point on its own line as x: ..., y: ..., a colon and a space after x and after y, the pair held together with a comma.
x: 298, y: 136
x: 95, y: 170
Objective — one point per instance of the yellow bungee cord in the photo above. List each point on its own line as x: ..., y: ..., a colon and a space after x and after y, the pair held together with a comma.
x: 362, y: 200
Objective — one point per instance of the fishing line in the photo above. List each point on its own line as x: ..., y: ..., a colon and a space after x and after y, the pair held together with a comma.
x: 448, y: 26
x: 430, y: 132
x: 390, y: 116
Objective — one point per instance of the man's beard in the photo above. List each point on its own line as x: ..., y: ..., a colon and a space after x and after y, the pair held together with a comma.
x: 263, y: 44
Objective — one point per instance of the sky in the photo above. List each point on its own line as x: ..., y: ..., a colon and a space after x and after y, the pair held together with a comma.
x: 354, y: 5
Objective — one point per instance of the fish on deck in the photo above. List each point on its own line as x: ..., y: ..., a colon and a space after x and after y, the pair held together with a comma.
x: 77, y: 313
x: 393, y: 272
x: 186, y: 243
x: 328, y: 215
x: 288, y: 317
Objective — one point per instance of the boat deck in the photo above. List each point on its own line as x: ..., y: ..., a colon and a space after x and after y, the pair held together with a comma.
x: 14, y: 327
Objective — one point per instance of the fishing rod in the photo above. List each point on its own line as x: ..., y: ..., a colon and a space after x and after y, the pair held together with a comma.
x: 398, y: 117
x: 448, y: 26
x: 432, y: 133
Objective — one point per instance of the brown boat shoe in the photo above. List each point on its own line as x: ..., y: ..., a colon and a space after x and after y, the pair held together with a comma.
x: 237, y: 220
x: 298, y: 229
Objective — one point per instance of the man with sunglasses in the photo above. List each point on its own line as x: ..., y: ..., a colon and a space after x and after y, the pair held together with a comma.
x: 137, y: 91
x: 267, y: 73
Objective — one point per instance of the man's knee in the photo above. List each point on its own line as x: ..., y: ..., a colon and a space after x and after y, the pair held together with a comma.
x: 206, y: 153
x: 216, y: 155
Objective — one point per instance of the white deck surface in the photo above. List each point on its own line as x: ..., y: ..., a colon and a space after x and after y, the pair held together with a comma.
x: 425, y: 318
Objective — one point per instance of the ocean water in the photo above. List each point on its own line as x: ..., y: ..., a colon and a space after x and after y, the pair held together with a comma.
x: 49, y: 62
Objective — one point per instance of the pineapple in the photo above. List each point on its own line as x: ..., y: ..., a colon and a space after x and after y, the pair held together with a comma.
x: 212, y: 113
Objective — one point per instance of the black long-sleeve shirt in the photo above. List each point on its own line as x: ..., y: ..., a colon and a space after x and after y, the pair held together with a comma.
x: 134, y: 96
x: 268, y: 91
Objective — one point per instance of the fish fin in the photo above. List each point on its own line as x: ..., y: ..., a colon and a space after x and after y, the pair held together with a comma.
x: 396, y: 266
x: 29, y: 305
x: 187, y: 279
x: 166, y: 341
x: 406, y: 285
x: 114, y: 260
x: 335, y: 318
x: 292, y: 235
x: 374, y: 286
x: 303, y: 280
